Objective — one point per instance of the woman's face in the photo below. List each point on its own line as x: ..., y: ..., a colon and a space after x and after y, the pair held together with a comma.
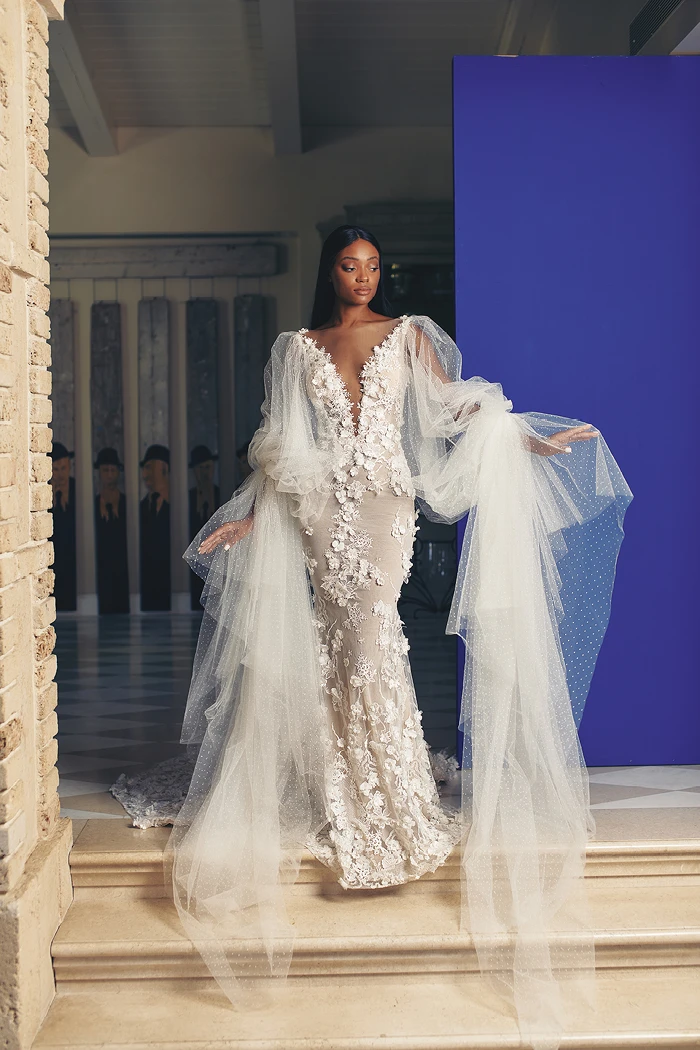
x: 355, y: 273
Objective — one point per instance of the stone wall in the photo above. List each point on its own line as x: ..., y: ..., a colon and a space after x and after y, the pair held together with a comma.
x: 34, y: 842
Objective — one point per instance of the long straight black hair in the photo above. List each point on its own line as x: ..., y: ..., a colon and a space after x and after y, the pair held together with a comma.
x: 324, y: 298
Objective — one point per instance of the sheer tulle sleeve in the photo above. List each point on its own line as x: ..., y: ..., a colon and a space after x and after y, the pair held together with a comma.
x: 292, y: 447
x: 254, y: 716
x: 295, y: 445
x: 531, y: 604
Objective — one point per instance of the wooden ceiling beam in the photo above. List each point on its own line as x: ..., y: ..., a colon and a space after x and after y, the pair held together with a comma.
x: 79, y: 90
x: 525, y: 26
x: 280, y: 46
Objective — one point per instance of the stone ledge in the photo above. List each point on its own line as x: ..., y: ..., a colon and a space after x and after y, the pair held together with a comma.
x: 409, y: 929
x: 636, y: 1011
x: 111, y: 854
x: 30, y: 913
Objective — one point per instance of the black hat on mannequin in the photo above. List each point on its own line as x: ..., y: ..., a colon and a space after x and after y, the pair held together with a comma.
x: 201, y: 454
x: 107, y: 457
x: 156, y: 452
x: 59, y: 451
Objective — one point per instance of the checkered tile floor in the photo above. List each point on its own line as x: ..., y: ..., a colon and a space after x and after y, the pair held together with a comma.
x: 122, y: 687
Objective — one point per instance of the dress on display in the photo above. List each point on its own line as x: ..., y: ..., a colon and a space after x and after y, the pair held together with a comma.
x: 302, y: 712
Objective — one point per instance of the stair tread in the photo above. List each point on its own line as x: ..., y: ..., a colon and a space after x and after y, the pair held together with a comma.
x: 379, y: 916
x: 112, y: 840
x: 642, y: 1010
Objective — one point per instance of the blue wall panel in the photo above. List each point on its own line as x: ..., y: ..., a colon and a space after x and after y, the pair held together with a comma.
x: 577, y: 208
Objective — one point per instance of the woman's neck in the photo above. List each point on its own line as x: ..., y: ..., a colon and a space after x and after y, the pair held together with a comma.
x: 346, y: 315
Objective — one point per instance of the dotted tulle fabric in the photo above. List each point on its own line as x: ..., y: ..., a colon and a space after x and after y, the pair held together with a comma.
x: 301, y: 717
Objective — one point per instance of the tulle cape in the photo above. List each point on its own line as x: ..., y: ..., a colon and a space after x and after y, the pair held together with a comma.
x: 531, y: 604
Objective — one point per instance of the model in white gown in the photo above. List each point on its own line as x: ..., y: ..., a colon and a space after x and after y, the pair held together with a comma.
x: 301, y: 709
x: 386, y: 824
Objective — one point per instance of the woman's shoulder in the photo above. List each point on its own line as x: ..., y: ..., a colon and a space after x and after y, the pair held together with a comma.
x: 284, y: 340
x: 422, y: 321
x: 292, y: 334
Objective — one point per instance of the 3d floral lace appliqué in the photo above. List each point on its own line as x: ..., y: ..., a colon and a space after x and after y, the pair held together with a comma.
x: 386, y: 824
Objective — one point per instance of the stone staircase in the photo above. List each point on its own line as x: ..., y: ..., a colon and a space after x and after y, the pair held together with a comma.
x: 382, y: 969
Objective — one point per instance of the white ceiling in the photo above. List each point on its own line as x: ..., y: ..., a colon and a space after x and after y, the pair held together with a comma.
x: 359, y: 62
x: 295, y: 64
x: 171, y: 62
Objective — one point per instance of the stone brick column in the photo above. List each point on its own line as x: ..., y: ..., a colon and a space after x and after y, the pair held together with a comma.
x: 35, y: 885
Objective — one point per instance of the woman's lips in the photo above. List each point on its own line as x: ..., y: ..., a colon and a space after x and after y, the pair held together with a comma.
x: 362, y: 291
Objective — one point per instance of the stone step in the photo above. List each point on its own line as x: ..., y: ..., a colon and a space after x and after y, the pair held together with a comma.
x: 638, y: 1009
x: 110, y: 858
x: 384, y: 931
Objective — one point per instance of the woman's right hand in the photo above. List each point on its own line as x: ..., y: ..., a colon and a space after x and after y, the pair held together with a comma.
x: 228, y: 534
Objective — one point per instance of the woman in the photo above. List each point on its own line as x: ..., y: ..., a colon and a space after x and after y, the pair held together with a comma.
x: 302, y: 703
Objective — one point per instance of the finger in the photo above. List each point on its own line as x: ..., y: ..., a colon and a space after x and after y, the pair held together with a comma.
x: 209, y: 544
x: 571, y: 430
x: 585, y: 436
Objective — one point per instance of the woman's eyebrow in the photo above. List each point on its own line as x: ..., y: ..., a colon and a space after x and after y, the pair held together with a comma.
x: 355, y: 258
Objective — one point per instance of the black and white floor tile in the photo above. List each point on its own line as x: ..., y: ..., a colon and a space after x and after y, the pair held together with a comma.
x: 122, y: 688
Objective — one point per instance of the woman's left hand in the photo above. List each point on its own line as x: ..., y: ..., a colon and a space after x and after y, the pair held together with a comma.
x: 562, y: 440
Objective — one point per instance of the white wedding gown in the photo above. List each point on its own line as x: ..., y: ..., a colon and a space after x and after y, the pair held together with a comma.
x: 301, y: 711
x: 386, y: 824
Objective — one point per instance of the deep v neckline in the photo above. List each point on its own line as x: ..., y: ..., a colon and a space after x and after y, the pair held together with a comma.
x: 354, y: 406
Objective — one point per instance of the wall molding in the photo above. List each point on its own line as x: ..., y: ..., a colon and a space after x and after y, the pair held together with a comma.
x: 115, y: 261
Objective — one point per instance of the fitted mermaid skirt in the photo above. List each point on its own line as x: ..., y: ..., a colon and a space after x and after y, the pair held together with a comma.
x: 386, y: 824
